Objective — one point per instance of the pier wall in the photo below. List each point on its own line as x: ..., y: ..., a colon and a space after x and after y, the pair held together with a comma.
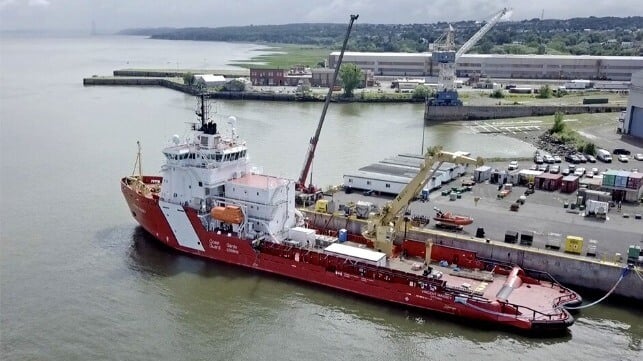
x: 446, y: 113
x: 570, y: 270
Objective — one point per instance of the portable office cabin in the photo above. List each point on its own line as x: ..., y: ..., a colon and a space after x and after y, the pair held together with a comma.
x: 528, y: 176
x: 482, y: 173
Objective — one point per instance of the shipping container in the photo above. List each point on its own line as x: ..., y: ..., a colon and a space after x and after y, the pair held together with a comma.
x: 620, y: 181
x: 609, y: 178
x: 634, y: 180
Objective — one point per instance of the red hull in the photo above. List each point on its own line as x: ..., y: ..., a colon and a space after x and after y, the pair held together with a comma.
x: 310, y: 267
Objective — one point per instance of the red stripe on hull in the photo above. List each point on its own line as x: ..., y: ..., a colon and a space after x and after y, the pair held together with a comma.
x: 232, y: 250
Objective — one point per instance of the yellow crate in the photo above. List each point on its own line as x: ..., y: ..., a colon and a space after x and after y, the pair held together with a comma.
x: 574, y: 244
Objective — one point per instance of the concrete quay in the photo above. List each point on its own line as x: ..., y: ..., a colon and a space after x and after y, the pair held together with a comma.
x: 481, y: 112
x: 570, y: 270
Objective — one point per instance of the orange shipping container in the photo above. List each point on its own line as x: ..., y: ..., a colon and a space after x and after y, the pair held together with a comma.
x: 227, y: 214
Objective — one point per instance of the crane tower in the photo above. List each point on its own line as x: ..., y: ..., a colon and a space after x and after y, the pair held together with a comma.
x: 446, y: 57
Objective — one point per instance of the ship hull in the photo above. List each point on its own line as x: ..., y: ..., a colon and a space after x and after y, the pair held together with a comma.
x: 226, y: 248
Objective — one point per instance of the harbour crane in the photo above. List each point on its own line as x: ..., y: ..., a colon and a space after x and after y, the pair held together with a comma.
x: 301, y: 186
x: 382, y: 228
x: 446, y: 58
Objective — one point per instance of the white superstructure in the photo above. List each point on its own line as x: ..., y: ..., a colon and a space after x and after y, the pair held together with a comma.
x: 209, y: 170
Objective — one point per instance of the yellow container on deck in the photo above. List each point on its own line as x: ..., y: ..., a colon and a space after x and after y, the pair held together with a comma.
x: 574, y: 244
x: 321, y: 206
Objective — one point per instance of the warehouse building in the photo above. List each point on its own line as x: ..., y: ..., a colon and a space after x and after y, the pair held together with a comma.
x: 633, y: 120
x: 618, y: 68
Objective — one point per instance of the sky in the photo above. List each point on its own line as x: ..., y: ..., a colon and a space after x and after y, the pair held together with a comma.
x: 113, y: 15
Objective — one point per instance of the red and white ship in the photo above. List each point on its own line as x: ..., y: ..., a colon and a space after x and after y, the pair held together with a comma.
x: 209, y: 203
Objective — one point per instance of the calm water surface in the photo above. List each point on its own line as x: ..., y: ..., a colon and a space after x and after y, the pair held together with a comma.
x: 79, y: 280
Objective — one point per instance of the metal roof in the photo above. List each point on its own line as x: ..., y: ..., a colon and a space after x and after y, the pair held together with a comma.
x: 389, y: 169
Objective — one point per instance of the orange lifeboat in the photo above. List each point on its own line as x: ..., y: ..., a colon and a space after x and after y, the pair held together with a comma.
x: 449, y: 219
x: 227, y: 214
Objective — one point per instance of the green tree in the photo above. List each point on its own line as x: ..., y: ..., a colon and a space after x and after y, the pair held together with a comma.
x: 590, y: 148
x: 544, y: 92
x: 559, y: 124
x: 351, y: 76
x: 497, y: 94
x: 421, y: 92
x: 189, y: 79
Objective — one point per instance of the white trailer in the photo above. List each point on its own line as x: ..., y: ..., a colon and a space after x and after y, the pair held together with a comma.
x: 597, y: 208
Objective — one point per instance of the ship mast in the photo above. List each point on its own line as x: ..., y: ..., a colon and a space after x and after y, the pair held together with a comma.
x: 138, y: 162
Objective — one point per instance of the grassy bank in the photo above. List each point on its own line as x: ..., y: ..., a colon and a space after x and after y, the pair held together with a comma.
x: 285, y: 56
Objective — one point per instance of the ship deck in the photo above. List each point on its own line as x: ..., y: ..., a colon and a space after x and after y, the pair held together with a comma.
x: 539, y: 297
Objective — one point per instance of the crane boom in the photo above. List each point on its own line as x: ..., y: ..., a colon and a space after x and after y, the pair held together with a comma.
x: 380, y: 230
x: 476, y: 37
x: 301, y: 182
x: 419, y: 181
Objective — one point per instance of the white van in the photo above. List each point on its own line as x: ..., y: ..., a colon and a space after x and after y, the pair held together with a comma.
x: 604, y: 156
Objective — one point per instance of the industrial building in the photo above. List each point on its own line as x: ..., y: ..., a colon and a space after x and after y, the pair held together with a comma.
x: 633, y: 120
x: 618, y: 68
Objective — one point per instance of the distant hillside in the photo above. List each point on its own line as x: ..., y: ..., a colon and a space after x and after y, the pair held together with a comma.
x: 591, y: 36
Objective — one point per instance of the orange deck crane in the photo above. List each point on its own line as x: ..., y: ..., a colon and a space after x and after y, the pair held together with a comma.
x: 308, y: 161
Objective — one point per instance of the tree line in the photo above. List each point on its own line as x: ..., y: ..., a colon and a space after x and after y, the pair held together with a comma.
x: 578, y: 36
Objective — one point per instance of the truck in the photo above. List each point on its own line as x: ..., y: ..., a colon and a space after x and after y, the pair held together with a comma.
x: 604, y: 156
x: 578, y: 84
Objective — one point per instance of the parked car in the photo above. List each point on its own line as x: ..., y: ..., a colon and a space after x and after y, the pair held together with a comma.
x: 595, y: 171
x: 622, y: 151
x: 580, y: 171
x: 543, y: 167
x: 538, y: 159
x: 572, y: 167
x: 548, y: 159
x: 513, y: 165
x: 638, y: 156
x: 554, y: 169
x: 581, y: 157
x: 565, y: 171
x: 590, y: 158
x: 533, y: 167
x: 623, y: 158
x: 557, y: 159
x: 572, y: 158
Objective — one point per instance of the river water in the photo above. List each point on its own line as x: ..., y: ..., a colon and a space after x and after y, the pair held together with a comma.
x: 79, y: 280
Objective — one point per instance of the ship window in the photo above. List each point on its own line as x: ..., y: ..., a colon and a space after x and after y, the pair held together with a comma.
x: 226, y: 157
x: 368, y: 182
x: 207, y: 191
x: 350, y: 180
x: 218, y: 157
x: 388, y: 185
x: 200, y: 184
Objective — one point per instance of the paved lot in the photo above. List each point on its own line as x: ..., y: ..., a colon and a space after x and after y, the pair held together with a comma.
x: 542, y: 213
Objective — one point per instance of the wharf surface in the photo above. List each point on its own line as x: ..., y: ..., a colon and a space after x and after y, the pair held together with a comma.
x: 570, y: 270
x: 482, y: 112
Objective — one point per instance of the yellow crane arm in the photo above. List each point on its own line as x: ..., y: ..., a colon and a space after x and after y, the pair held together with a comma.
x: 392, y: 209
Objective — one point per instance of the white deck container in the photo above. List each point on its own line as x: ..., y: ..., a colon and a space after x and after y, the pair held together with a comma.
x: 357, y: 254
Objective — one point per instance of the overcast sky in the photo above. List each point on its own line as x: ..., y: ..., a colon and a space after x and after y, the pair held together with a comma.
x: 113, y: 15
